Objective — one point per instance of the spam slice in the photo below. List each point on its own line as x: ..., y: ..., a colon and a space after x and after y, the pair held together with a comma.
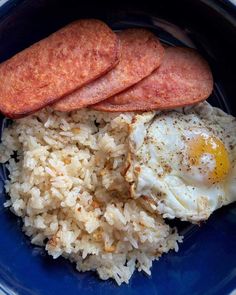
x: 141, y: 53
x: 55, y: 66
x: 184, y: 78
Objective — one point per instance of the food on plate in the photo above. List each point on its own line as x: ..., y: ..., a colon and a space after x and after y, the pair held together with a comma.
x: 184, y: 161
x: 68, y: 186
x: 84, y: 64
x: 184, y: 78
x: 141, y: 54
x: 97, y: 187
x: 56, y: 66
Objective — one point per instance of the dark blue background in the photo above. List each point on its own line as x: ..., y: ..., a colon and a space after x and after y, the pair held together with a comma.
x: 206, y: 261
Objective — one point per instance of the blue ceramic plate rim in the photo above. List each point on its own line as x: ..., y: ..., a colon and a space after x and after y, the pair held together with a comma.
x: 167, y: 274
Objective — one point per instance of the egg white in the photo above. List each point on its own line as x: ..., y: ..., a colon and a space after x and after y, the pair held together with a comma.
x: 157, y: 158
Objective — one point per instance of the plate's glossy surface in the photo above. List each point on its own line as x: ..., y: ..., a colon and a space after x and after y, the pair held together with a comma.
x: 206, y: 261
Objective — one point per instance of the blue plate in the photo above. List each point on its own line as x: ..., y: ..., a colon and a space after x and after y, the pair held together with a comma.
x: 206, y: 261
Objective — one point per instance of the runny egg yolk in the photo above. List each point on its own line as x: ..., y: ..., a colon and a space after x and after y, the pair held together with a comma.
x: 212, y: 148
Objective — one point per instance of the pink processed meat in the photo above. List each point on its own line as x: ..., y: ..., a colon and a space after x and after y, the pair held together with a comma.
x: 141, y: 54
x: 56, y: 66
x: 184, y: 78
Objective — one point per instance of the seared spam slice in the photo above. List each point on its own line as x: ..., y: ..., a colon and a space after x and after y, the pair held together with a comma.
x: 141, y: 54
x: 184, y: 78
x: 55, y: 66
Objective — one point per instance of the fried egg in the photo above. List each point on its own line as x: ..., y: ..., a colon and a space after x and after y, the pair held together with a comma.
x: 183, y: 162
